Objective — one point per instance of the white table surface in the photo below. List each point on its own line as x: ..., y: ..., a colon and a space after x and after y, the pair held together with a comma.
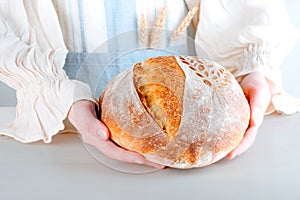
x: 64, y: 169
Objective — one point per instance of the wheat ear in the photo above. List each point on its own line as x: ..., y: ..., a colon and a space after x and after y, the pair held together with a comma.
x: 184, y: 24
x: 143, y: 33
x: 158, y: 28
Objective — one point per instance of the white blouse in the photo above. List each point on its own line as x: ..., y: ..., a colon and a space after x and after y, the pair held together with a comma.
x: 35, y: 37
x: 250, y: 35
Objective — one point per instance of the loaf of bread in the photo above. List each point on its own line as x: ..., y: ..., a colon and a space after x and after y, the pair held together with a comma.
x: 178, y: 111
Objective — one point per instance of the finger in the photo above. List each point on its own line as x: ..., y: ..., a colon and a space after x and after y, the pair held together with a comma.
x: 84, y: 119
x: 96, y: 127
x: 246, y: 142
x: 92, y: 126
x: 114, y: 152
x: 259, y: 102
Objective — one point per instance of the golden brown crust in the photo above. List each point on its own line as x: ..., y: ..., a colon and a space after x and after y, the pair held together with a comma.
x: 126, y: 140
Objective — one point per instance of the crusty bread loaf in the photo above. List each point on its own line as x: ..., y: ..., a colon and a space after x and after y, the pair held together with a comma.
x: 181, y: 112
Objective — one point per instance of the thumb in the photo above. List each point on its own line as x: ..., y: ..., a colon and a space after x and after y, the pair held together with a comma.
x: 103, y: 131
x: 97, y: 128
x: 259, y: 101
x: 82, y: 116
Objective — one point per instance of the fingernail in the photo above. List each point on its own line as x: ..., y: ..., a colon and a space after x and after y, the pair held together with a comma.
x: 102, y: 134
x: 232, y: 156
x: 159, y: 166
x: 139, y: 162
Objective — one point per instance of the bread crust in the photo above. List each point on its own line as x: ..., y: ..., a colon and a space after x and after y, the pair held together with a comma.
x: 178, y: 111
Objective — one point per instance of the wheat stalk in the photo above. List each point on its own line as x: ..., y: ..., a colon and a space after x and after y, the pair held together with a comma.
x: 158, y: 28
x: 143, y: 32
x: 184, y: 24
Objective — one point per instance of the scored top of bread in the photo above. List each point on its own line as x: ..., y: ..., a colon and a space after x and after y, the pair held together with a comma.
x: 181, y: 111
x: 160, y: 85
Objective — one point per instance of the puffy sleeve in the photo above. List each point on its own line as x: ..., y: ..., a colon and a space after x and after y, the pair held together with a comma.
x: 247, y: 36
x: 32, y: 55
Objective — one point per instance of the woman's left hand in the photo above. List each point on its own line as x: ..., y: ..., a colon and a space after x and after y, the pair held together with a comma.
x: 258, y: 94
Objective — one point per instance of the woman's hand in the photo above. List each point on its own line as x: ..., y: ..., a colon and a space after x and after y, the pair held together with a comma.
x: 83, y: 116
x: 258, y: 94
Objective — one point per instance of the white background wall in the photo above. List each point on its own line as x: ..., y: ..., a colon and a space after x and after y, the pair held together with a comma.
x: 290, y: 67
x: 7, y: 96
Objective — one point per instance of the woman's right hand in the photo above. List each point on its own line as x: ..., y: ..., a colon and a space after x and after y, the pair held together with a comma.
x: 83, y: 116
